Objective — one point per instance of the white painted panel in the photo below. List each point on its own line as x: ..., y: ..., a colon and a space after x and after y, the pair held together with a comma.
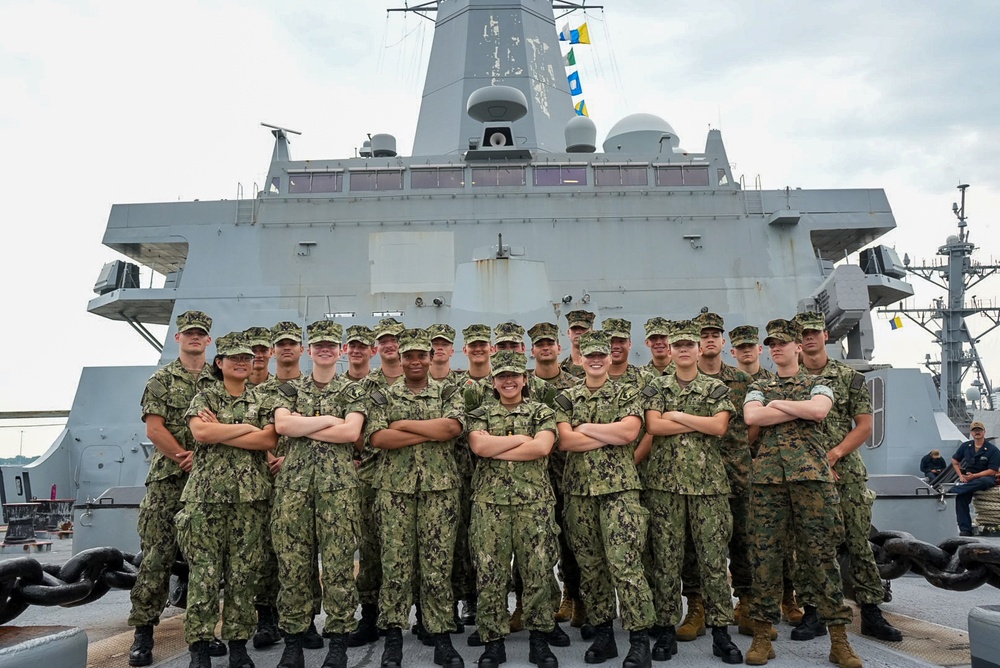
x: 411, y: 261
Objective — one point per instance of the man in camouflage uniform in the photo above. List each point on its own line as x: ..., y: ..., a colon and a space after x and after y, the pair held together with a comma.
x: 414, y: 423
x: 259, y: 339
x: 598, y: 420
x: 577, y: 322
x: 359, y: 347
x: 849, y: 425
x: 442, y: 350
x: 477, y: 346
x: 316, y: 500
x: 793, y: 498
x: 658, y: 341
x: 687, y: 491
x: 620, y: 331
x: 164, y: 402
x: 387, y: 346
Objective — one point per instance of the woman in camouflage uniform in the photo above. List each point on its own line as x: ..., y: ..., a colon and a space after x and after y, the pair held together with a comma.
x: 221, y: 527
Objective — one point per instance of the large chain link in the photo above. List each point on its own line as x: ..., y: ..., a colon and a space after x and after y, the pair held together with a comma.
x: 958, y: 564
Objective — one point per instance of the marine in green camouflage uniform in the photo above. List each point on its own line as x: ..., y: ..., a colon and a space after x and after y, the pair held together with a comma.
x: 577, y: 322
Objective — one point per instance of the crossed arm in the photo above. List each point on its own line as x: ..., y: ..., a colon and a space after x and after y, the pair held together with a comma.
x: 206, y: 428
x: 404, y: 433
x: 591, y: 436
x: 515, y: 448
x: 326, y: 428
x: 677, y: 422
x: 780, y: 411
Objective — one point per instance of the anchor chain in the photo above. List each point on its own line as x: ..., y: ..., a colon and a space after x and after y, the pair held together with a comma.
x: 958, y: 564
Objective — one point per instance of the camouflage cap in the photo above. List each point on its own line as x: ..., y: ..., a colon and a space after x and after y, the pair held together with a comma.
x: 543, y: 330
x: 508, y: 331
x: 194, y: 320
x: 658, y: 326
x: 710, y: 321
x: 811, y: 320
x: 446, y: 332
x: 286, y: 330
x: 580, y: 318
x: 685, y: 330
x: 258, y: 336
x: 783, y: 330
x: 508, y: 361
x: 233, y: 343
x: 477, y: 333
x: 388, y: 327
x: 744, y: 334
x: 595, y: 341
x: 617, y: 327
x: 414, y: 339
x: 360, y: 333
x: 326, y: 331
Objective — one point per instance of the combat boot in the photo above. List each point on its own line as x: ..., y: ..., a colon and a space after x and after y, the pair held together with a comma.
x: 579, y: 617
x: 494, y: 654
x: 336, y: 657
x: 517, y: 617
x: 841, y: 652
x: 267, y: 627
x: 693, y: 625
x: 638, y: 650
x: 744, y: 625
x: 367, y: 631
x: 311, y: 639
x: 141, y: 653
x: 199, y: 655
x: 292, y: 656
x: 238, y: 657
x: 392, y: 651
x: 564, y: 612
x: 445, y: 653
x: 875, y: 625
x: 458, y: 626
x: 724, y: 647
x: 474, y: 640
x: 603, y: 647
x: 557, y: 637
x: 810, y: 626
x: 666, y: 644
x: 216, y: 647
x: 790, y: 609
x: 539, y: 652
x: 760, y: 649
x: 469, y: 609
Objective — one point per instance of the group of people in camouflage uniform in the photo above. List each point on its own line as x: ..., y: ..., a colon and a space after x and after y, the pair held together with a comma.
x: 638, y: 484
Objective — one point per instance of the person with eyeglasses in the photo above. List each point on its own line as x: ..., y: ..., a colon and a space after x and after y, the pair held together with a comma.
x: 976, y: 462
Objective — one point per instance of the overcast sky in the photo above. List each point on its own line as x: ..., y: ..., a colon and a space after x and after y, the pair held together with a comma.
x: 115, y: 102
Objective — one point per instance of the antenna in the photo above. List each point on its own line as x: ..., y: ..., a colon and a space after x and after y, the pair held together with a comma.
x: 277, y: 129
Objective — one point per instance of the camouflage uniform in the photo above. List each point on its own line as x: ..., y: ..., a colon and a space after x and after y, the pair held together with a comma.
x: 578, y: 318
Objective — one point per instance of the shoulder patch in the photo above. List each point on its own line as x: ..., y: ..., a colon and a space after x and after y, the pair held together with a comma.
x: 478, y: 413
x: 564, y: 402
x: 156, y: 388
x: 287, y: 389
x: 379, y: 398
x: 448, y: 392
x: 858, y: 381
x: 719, y: 392
x: 649, y: 391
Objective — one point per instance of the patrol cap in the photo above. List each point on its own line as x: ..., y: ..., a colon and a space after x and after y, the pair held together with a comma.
x: 977, y: 425
x: 580, y: 318
x: 783, y: 330
x: 658, y: 326
x: 414, y: 339
x: 446, y: 332
x: 595, y: 341
x: 744, y: 334
x: 194, y: 320
x: 286, y: 330
x: 258, y: 336
x: 811, y: 320
x: 543, y: 330
x: 508, y: 361
x: 360, y: 333
x: 617, y: 327
x: 710, y: 321
x: 388, y: 327
x: 233, y: 343
x: 474, y: 333
x: 508, y: 331
x: 685, y: 330
x: 326, y: 331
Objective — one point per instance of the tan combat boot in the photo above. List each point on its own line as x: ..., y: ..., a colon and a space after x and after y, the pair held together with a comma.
x: 744, y: 623
x: 565, y: 611
x: 579, y: 614
x: 760, y: 649
x: 694, y: 622
x: 516, y: 617
x: 790, y: 609
x: 841, y: 652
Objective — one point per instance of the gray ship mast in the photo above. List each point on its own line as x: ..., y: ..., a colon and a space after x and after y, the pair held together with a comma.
x: 956, y: 274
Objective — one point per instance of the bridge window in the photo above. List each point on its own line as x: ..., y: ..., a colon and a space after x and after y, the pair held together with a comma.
x: 621, y: 175
x: 498, y: 176
x: 437, y: 177
x: 682, y: 175
x: 299, y: 183
x: 380, y: 179
x: 876, y: 387
x: 562, y: 175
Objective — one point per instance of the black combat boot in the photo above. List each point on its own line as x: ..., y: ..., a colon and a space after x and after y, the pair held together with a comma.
x: 724, y: 647
x: 557, y: 637
x: 141, y: 653
x: 199, y: 655
x: 336, y: 657
x: 494, y: 654
x: 392, y: 652
x: 445, y: 654
x: 539, y: 652
x: 587, y: 631
x: 638, y: 650
x: 238, y: 657
x: 458, y: 624
x: 292, y: 656
x: 367, y: 631
x: 666, y: 643
x: 267, y: 627
x: 474, y: 640
x: 469, y: 610
x: 311, y: 639
x: 603, y: 647
x: 655, y: 630
x: 216, y: 647
x: 810, y: 626
x: 872, y: 624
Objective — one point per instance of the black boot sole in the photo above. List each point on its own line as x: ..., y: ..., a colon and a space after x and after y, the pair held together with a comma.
x: 880, y: 635
x: 727, y: 657
x: 599, y: 658
x: 664, y: 653
x: 145, y: 660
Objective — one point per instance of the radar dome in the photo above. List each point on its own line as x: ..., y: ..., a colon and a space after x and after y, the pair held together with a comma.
x: 641, y: 133
x: 581, y: 135
x: 497, y: 103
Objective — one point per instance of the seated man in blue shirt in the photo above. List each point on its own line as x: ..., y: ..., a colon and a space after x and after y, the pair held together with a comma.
x: 976, y: 461
x: 932, y: 464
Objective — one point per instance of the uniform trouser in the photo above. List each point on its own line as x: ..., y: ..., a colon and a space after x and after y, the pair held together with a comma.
x: 708, y: 522
x: 964, y: 492
x: 267, y: 590
x: 607, y: 534
x: 568, y: 569
x: 739, y: 551
x: 802, y: 516
x: 158, y: 540
x: 369, y: 548
x: 302, y: 524
x: 222, y: 545
x: 528, y: 532
x: 463, y: 575
x: 417, y: 528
